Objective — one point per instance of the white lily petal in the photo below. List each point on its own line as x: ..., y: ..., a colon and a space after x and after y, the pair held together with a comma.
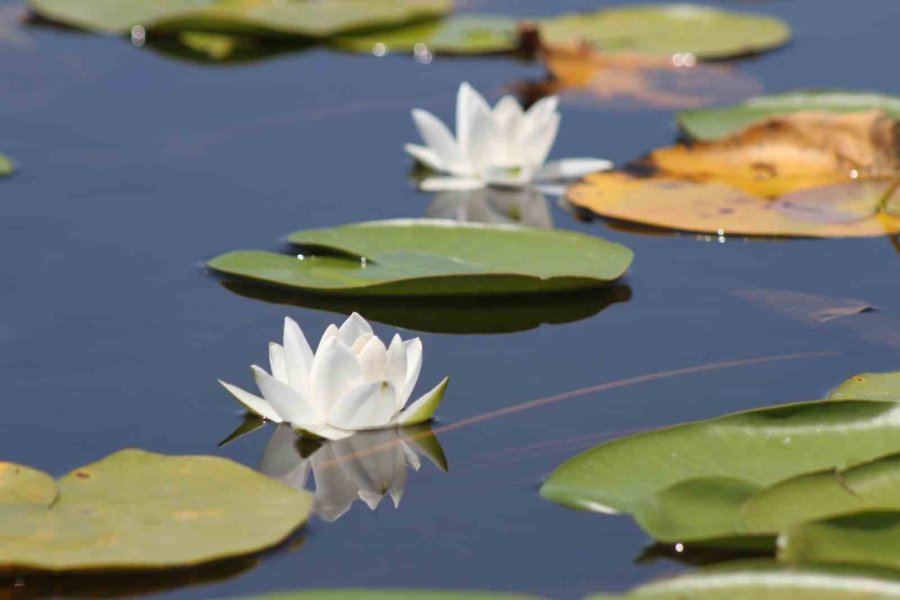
x: 542, y: 109
x: 289, y: 403
x: 571, y: 168
x: 553, y: 189
x: 298, y: 356
x: 330, y: 332
x: 439, y: 139
x: 423, y: 409
x: 395, y: 370
x: 361, y: 342
x: 484, y: 145
x: 277, y: 362
x: 509, y: 116
x: 426, y: 156
x: 373, y: 359
x: 541, y: 141
x: 450, y: 184
x: 413, y: 352
x: 368, y: 406
x: 335, y: 372
x: 353, y: 328
x: 256, y: 405
x: 469, y: 103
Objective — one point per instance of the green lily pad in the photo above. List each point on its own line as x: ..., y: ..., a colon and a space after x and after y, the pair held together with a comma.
x: 362, y: 594
x: 421, y: 257
x: 664, y: 30
x: 140, y: 510
x: 23, y: 485
x: 709, y: 124
x: 6, y: 166
x: 223, y: 49
x: 695, y: 509
x: 247, y: 17
x: 870, y: 386
x: 761, y: 447
x: 457, y: 34
x: 865, y: 538
x: 824, y: 494
x: 766, y: 580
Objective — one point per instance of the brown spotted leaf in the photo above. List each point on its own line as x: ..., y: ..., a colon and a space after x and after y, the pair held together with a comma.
x: 860, y: 208
x: 786, y: 153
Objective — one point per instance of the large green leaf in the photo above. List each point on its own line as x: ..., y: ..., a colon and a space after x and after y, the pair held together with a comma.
x: 761, y: 447
x: 252, y: 17
x: 420, y: 257
x: 765, y: 580
x: 695, y: 509
x: 669, y: 29
x: 139, y: 510
x: 364, y: 594
x: 865, y: 538
x: 23, y: 485
x: 870, y: 386
x: 872, y: 485
x: 457, y: 34
x: 459, y: 316
x: 714, y: 123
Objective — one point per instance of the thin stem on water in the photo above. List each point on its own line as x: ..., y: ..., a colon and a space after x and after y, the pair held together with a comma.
x: 601, y: 387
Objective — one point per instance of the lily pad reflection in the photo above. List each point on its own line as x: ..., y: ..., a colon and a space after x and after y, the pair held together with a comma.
x: 526, y: 206
x: 462, y: 316
x: 367, y: 466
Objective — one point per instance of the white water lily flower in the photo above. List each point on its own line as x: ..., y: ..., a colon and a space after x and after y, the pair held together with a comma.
x: 366, y: 466
x: 353, y: 382
x: 503, y: 146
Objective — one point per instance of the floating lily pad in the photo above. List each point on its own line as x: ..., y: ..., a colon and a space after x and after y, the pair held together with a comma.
x: 587, y: 77
x: 865, y: 538
x: 870, y: 386
x: 457, y: 34
x: 223, y: 49
x: 6, y: 166
x: 809, y: 174
x: 758, y: 447
x: 824, y: 494
x: 714, y: 123
x: 854, y: 209
x: 421, y: 257
x: 669, y: 29
x: 23, y: 485
x: 140, y: 510
x: 247, y: 17
x: 766, y: 580
x: 793, y: 152
x: 362, y: 594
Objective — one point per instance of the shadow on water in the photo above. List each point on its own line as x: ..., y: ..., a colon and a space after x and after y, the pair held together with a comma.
x: 127, y: 583
x: 699, y: 555
x: 466, y: 316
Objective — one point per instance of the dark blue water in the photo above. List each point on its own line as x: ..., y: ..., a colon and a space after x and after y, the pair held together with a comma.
x: 135, y: 168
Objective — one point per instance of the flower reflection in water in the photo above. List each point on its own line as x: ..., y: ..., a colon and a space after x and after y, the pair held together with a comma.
x: 366, y: 466
x: 524, y: 206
